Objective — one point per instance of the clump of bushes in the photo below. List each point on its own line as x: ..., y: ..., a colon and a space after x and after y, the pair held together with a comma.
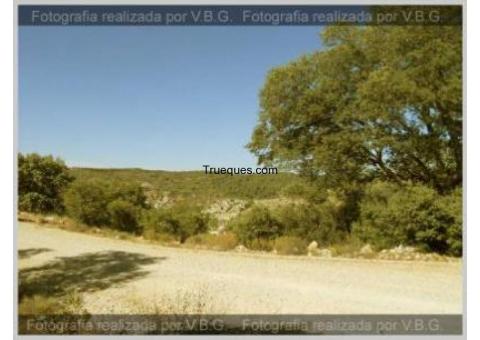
x: 181, y: 221
x: 102, y: 203
x: 413, y: 215
x: 313, y: 222
x: 258, y: 227
x: 255, y: 227
x: 124, y: 215
x: 290, y: 245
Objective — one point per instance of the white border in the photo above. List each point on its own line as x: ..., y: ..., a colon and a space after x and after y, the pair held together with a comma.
x: 6, y: 166
x: 7, y: 128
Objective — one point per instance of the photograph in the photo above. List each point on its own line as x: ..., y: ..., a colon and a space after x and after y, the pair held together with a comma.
x: 239, y: 169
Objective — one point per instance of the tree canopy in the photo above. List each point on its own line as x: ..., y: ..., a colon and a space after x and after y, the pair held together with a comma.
x: 376, y: 102
x: 41, y: 182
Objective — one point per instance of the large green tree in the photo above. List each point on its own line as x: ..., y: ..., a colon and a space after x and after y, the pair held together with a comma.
x: 376, y: 102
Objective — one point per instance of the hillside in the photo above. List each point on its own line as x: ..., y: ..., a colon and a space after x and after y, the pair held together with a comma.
x: 196, y: 184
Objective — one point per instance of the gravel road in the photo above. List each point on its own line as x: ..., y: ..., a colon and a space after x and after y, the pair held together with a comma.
x: 116, y: 276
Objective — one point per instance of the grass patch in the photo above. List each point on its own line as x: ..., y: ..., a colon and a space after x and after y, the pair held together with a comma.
x: 223, y: 242
x: 290, y: 245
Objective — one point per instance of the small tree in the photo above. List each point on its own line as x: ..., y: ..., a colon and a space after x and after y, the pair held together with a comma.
x: 41, y: 182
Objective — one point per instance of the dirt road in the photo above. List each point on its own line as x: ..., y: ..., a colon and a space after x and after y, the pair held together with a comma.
x: 116, y: 276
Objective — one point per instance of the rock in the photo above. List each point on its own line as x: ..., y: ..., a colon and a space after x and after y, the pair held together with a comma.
x: 312, y: 248
x: 366, y: 250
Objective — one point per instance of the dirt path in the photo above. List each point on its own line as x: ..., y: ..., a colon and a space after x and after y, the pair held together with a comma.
x: 117, y: 276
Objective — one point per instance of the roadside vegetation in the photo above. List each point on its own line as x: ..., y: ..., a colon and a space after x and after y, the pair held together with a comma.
x: 369, y: 136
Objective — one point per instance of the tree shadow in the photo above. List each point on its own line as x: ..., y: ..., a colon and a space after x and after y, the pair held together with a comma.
x: 26, y: 253
x: 84, y: 273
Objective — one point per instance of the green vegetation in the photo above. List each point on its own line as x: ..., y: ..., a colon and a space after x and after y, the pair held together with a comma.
x: 411, y: 214
x: 255, y: 225
x: 195, y: 185
x: 181, y: 220
x: 378, y: 102
x: 258, y: 226
x: 41, y: 181
x: 369, y: 108
x: 370, y: 132
x: 100, y: 203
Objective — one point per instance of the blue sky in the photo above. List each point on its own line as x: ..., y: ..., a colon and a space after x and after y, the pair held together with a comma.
x: 171, y: 98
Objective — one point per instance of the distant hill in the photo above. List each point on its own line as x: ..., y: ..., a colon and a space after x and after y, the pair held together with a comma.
x: 196, y: 184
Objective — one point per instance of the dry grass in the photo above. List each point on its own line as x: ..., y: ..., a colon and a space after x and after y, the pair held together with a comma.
x: 69, y: 304
x: 290, y: 245
x: 182, y: 302
x: 222, y: 242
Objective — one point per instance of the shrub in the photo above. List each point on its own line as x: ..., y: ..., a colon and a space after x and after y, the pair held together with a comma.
x: 41, y: 182
x: 290, y: 245
x: 255, y: 223
x: 124, y: 216
x: 35, y: 202
x: 181, y: 221
x: 87, y: 202
x: 410, y: 214
x: 312, y: 222
x: 452, y: 205
x: 103, y: 203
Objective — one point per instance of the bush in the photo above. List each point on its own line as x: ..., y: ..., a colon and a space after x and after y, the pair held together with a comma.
x: 124, y: 216
x: 255, y: 223
x: 410, y: 214
x: 258, y: 226
x: 35, y: 202
x: 181, y: 221
x: 452, y: 205
x: 312, y: 222
x: 290, y: 245
x: 103, y: 203
x: 87, y: 202
x: 41, y: 182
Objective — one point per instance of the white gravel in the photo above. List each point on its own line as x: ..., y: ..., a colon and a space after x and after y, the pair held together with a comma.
x: 123, y: 276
